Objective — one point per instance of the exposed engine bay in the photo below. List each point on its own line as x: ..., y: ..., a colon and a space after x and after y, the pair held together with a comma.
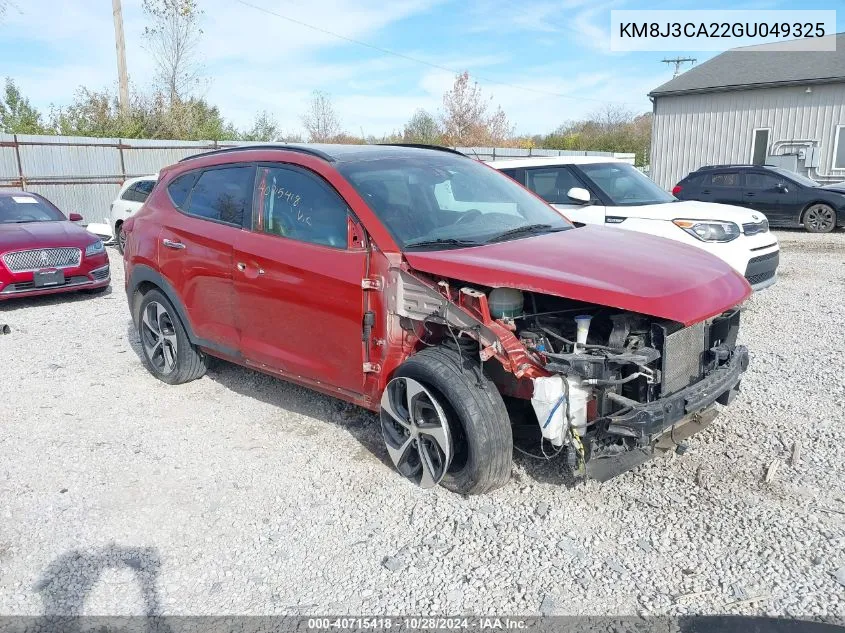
x: 608, y: 386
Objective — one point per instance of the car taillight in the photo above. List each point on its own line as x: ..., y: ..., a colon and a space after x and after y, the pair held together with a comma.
x: 676, y: 190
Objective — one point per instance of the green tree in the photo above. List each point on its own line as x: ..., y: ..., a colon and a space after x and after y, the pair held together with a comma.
x: 422, y: 127
x: 264, y: 129
x: 17, y: 115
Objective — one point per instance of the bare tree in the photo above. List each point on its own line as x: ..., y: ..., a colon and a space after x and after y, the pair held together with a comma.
x: 173, y: 37
x: 320, y: 120
x: 422, y: 128
x: 465, y: 119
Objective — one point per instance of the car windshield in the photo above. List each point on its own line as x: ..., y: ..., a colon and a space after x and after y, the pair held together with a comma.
x: 624, y: 184
x: 801, y: 180
x: 440, y: 200
x: 23, y: 208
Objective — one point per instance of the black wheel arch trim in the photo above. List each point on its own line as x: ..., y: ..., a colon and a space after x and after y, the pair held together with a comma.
x: 142, y: 273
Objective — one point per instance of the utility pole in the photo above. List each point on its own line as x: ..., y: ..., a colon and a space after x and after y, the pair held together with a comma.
x: 120, y: 45
x: 678, y: 61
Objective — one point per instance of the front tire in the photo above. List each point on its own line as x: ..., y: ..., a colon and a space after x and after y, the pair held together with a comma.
x: 819, y: 218
x: 167, y: 352
x: 479, y: 440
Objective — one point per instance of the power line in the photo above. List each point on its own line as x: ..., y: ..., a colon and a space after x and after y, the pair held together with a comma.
x: 417, y: 60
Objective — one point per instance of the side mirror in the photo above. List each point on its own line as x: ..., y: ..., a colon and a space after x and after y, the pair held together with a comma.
x: 579, y: 195
x: 75, y: 217
x: 782, y: 188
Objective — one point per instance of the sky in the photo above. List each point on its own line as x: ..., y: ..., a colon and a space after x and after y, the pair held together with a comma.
x: 545, y: 62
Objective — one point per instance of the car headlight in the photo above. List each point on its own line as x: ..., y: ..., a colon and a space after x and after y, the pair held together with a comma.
x: 95, y: 249
x: 710, y: 231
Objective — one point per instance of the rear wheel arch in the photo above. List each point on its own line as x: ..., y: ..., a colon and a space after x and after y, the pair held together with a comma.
x: 142, y: 280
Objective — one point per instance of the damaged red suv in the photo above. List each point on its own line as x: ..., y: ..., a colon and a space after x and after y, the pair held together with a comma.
x: 426, y: 286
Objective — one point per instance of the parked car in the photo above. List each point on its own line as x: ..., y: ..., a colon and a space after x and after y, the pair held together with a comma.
x: 426, y: 286
x: 788, y: 199
x: 44, y: 252
x: 129, y: 199
x: 597, y: 190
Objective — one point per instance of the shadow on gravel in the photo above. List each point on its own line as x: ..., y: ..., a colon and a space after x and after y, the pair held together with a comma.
x: 360, y: 423
x: 68, y: 580
x: 363, y: 424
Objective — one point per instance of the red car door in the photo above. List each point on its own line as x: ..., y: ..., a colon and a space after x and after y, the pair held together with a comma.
x: 298, y: 285
x: 196, y: 245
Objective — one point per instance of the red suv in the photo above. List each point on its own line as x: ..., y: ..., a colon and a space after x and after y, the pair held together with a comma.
x: 426, y: 286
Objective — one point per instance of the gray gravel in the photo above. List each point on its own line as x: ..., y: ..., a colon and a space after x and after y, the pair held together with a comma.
x: 241, y: 494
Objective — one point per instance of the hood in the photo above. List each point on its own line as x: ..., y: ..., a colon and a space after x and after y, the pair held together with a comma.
x: 43, y: 235
x: 689, y: 210
x: 602, y: 265
x: 838, y: 187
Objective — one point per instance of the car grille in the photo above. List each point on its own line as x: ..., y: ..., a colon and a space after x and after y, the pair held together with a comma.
x: 757, y: 279
x: 682, y: 358
x: 753, y: 228
x: 764, y: 258
x: 23, y: 261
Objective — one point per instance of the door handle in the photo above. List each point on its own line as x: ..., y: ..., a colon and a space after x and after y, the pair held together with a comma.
x: 242, y: 268
x: 171, y: 244
x: 750, y: 195
x: 705, y: 192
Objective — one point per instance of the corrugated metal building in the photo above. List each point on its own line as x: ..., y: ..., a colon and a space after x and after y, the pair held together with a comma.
x: 753, y: 105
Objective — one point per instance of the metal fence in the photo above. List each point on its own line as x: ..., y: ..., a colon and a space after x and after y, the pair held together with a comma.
x: 83, y: 175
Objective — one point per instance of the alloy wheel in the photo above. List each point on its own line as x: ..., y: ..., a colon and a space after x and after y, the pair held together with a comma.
x: 121, y: 238
x: 158, y: 337
x: 820, y: 218
x: 415, y: 431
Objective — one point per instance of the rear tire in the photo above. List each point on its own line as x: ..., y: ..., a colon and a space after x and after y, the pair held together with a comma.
x: 167, y: 352
x: 819, y: 218
x: 479, y: 426
x: 120, y: 237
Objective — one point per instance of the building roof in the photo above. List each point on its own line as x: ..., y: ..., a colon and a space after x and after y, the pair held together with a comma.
x: 544, y: 161
x: 760, y: 67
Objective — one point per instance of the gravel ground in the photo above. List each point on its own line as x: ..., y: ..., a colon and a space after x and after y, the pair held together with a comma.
x: 241, y: 494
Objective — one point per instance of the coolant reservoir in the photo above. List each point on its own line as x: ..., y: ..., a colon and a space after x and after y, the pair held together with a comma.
x: 505, y: 303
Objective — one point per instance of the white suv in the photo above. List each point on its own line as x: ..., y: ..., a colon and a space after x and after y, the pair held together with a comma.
x: 129, y: 199
x: 597, y: 190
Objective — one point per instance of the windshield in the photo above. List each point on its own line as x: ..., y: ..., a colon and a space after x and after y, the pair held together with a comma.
x: 625, y: 185
x: 801, y: 180
x: 19, y: 209
x: 442, y: 200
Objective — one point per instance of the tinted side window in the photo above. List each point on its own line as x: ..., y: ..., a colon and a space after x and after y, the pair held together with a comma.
x: 223, y: 194
x: 552, y: 183
x: 143, y: 189
x: 760, y: 181
x: 300, y: 206
x: 725, y: 179
x: 129, y: 194
x: 181, y: 187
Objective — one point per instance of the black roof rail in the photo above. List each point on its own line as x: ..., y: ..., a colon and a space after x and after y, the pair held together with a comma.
x: 728, y: 165
x: 279, y: 146
x: 439, y: 148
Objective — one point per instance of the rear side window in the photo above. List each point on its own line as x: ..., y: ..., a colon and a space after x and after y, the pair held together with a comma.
x: 224, y: 195
x: 725, y: 179
x: 181, y: 187
x: 139, y: 191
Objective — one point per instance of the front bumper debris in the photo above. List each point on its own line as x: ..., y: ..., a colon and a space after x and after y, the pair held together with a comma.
x: 647, y: 420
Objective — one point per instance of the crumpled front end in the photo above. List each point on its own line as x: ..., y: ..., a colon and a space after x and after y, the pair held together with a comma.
x: 608, y: 388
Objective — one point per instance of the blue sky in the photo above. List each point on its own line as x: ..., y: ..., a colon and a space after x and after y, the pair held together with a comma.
x: 519, y: 51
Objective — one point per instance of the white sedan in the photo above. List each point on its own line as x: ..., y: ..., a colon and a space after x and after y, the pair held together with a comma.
x: 598, y: 190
